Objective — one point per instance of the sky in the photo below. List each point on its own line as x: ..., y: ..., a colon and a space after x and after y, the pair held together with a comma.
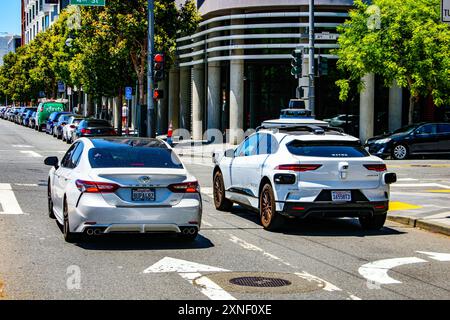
x: 10, y: 16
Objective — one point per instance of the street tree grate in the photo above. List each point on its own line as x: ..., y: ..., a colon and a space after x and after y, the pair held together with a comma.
x: 260, y: 282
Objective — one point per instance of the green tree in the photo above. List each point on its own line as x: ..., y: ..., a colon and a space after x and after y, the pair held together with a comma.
x: 399, y: 40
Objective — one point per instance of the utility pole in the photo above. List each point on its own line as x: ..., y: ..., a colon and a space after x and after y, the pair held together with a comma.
x: 150, y: 84
x: 311, y: 93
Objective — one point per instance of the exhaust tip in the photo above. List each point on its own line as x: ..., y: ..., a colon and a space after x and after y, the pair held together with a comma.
x: 97, y: 232
x: 192, y: 230
x: 90, y: 232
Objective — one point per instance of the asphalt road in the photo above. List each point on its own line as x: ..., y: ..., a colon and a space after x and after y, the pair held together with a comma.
x: 316, y: 259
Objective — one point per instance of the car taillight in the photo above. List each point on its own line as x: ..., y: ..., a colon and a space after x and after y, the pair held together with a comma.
x: 298, y: 167
x: 96, y: 187
x: 376, y: 167
x: 72, y: 126
x: 185, y: 187
x: 113, y: 132
x: 86, y: 131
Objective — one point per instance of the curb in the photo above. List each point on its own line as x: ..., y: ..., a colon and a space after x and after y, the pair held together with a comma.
x: 422, y: 224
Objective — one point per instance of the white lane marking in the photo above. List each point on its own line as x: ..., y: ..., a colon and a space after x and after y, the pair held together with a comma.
x: 8, y: 200
x: 248, y: 246
x: 327, y: 285
x: 21, y: 146
x: 208, y: 287
x: 407, y: 179
x: 168, y: 264
x: 191, y: 272
x: 377, y: 271
x: 353, y: 297
x: 439, y: 256
x: 26, y: 184
x: 32, y: 154
x: 415, y: 185
x: 207, y: 191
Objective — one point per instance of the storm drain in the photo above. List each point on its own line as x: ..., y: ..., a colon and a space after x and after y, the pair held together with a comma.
x: 261, y: 282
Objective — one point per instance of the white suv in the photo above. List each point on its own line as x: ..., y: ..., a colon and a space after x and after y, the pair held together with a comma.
x: 300, y: 171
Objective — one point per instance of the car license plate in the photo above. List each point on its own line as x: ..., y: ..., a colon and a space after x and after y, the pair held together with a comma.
x: 143, y: 194
x: 341, y: 195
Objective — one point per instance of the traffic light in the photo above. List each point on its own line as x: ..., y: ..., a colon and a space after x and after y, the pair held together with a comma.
x: 322, y: 66
x: 158, y: 94
x: 158, y: 67
x: 296, y: 63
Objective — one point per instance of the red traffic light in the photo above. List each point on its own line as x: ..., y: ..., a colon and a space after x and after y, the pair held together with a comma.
x: 158, y: 58
x: 158, y: 94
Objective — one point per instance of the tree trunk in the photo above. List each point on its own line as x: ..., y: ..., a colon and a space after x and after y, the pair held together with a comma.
x: 412, y: 103
x: 141, y: 90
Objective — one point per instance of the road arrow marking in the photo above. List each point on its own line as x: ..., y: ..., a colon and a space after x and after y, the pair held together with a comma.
x: 436, y: 255
x: 377, y: 271
x: 191, y: 272
x: 8, y: 201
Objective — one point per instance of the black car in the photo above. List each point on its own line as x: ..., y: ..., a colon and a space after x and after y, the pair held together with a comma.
x: 415, y: 139
x: 94, y: 127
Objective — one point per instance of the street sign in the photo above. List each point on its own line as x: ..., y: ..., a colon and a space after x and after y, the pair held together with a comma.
x: 445, y: 11
x: 128, y: 93
x: 61, y: 87
x: 69, y: 91
x: 87, y: 2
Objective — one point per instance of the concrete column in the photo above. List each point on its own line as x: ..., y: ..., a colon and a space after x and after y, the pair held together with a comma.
x: 185, y: 89
x: 174, y: 97
x: 214, y: 96
x: 198, y: 87
x: 161, y: 110
x: 395, y: 107
x: 236, y: 91
x: 367, y: 107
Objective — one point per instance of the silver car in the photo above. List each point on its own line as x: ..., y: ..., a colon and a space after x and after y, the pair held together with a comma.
x: 123, y: 185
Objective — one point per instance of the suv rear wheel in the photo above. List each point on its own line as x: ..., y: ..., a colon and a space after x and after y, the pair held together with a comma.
x: 373, y: 222
x: 270, y: 219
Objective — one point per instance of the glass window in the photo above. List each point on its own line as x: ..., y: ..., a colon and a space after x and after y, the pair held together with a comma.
x: 267, y: 144
x: 132, y: 157
x: 250, y: 146
x: 444, y: 128
x: 76, y: 155
x: 427, y: 129
x: 65, y: 162
x: 327, y: 150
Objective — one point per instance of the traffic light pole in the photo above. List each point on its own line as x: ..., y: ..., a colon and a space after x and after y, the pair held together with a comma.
x: 150, y: 84
x: 311, y: 91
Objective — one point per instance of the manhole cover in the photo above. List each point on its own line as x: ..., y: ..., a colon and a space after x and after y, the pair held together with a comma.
x: 261, y: 282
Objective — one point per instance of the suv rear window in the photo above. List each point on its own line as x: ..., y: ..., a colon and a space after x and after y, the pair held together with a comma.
x: 327, y: 149
x: 131, y: 157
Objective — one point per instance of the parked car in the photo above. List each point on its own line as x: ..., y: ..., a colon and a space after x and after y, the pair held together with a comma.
x: 13, y: 113
x: 2, y: 111
x: 94, y: 127
x: 303, y: 171
x: 415, y: 139
x: 44, y: 111
x: 62, y: 122
x: 123, y: 185
x: 27, y: 116
x: 52, y: 121
x: 32, y: 120
x: 69, y: 129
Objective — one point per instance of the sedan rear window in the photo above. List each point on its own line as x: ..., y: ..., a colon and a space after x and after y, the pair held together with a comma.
x: 131, y: 157
x: 98, y: 123
x: 327, y: 150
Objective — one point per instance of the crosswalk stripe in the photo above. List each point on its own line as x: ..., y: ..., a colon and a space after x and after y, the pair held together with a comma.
x: 8, y: 200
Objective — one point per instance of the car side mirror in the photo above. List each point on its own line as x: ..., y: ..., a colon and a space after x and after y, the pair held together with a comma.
x: 51, y: 161
x: 229, y: 153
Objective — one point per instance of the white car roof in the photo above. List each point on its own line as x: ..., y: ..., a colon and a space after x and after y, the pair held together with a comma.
x: 296, y: 121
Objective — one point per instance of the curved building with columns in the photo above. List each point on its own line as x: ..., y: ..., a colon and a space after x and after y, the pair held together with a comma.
x: 235, y: 71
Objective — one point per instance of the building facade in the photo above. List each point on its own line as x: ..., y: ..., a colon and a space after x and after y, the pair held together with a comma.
x: 235, y: 71
x: 8, y: 43
x: 37, y: 16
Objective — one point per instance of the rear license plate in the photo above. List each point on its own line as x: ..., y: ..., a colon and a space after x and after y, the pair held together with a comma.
x: 143, y: 194
x: 341, y: 195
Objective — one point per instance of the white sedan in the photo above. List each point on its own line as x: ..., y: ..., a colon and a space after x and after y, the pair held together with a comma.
x: 69, y: 129
x: 300, y: 171
x: 123, y: 185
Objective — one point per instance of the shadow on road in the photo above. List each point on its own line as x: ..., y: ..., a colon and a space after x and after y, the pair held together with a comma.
x: 321, y: 227
x: 142, y: 242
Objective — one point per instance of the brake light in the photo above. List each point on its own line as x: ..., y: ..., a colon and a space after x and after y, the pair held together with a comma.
x: 113, y: 132
x: 298, y: 167
x: 72, y: 126
x: 185, y: 187
x: 96, y: 187
x: 376, y: 167
x: 86, y: 131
